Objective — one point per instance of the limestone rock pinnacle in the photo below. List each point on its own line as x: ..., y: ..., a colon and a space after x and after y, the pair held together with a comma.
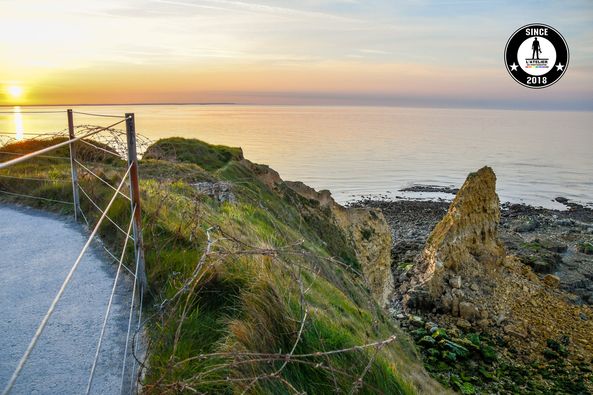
x: 462, y: 244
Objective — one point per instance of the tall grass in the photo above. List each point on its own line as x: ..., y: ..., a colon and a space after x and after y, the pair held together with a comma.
x: 261, y: 295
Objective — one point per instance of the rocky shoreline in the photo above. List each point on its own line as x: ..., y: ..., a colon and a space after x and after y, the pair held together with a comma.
x: 498, y: 298
x: 558, y: 242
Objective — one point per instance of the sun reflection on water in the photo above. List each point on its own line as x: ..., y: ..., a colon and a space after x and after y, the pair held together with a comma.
x: 19, y: 130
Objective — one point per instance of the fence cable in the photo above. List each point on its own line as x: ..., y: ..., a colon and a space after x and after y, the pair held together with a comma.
x: 101, y: 211
x: 101, y: 149
x: 55, y: 146
x: 34, y: 179
x: 34, y: 197
x: 30, y: 134
x: 98, y: 115
x: 58, y: 296
x: 135, y: 342
x: 83, y: 216
x: 38, y: 156
x: 106, y: 317
x: 101, y: 179
x: 116, y: 259
x: 123, y: 369
x: 33, y: 112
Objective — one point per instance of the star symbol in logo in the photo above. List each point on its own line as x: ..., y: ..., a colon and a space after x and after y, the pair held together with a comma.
x: 560, y: 66
x: 514, y: 66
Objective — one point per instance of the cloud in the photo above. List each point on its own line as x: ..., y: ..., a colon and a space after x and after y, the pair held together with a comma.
x: 429, y: 44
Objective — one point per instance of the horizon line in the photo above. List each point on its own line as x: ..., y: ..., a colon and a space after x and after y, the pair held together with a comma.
x: 415, y: 105
x: 125, y: 104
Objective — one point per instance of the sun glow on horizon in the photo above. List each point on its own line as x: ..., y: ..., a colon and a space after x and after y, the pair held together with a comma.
x: 15, y: 94
x: 15, y: 91
x: 276, y: 52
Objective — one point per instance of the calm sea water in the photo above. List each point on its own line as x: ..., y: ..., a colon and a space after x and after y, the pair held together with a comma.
x: 355, y: 151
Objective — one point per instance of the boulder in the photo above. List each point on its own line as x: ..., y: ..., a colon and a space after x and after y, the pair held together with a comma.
x: 551, y: 280
x: 527, y: 226
x: 464, y: 324
x: 468, y: 311
x: 221, y: 191
x: 416, y: 321
x: 553, y: 245
x: 455, y: 282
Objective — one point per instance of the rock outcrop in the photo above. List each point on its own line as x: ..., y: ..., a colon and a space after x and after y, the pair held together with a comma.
x: 366, y: 230
x: 221, y: 191
x: 369, y: 232
x: 463, y: 245
x: 464, y: 280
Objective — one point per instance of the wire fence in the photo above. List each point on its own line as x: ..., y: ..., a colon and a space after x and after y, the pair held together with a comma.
x: 87, y: 159
x: 21, y: 176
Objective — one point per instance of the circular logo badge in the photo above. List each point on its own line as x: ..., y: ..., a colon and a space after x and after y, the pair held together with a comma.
x: 536, y: 55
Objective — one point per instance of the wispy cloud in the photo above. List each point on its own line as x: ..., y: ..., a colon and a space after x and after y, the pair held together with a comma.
x: 276, y: 10
x: 374, y: 51
x: 257, y: 8
x: 359, y: 45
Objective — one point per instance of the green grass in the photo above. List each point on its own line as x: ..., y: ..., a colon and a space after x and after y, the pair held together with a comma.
x: 246, y: 298
x: 209, y: 157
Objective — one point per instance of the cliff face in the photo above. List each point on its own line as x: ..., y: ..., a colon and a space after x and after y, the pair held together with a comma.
x: 369, y: 234
x: 356, y: 234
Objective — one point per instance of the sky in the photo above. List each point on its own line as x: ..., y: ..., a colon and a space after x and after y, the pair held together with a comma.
x: 313, y: 52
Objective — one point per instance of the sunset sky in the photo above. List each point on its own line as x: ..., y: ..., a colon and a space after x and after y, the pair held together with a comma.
x: 355, y: 52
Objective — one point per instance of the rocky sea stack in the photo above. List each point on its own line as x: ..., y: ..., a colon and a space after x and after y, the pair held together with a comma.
x: 464, y: 295
x: 462, y: 247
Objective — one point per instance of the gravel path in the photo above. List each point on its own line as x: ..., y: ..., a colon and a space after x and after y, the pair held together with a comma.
x: 36, y: 252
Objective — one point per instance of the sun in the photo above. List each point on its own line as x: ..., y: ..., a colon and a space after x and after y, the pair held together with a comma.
x: 15, y: 91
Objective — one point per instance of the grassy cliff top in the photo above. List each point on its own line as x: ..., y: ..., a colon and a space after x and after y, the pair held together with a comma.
x: 253, y: 288
x: 209, y: 157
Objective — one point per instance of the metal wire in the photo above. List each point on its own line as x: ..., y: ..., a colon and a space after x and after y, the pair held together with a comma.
x: 35, y: 179
x: 55, y: 146
x: 101, y: 211
x: 84, y: 217
x: 104, y: 215
x: 134, y: 342
x: 98, y: 350
x: 123, y: 369
x: 33, y: 112
x: 38, y: 156
x: 58, y: 296
x: 100, y: 179
x: 98, y: 115
x: 28, y: 134
x: 102, y: 149
x: 116, y: 259
x: 35, y: 197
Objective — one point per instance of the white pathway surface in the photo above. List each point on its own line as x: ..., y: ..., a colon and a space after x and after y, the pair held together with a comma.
x: 36, y: 252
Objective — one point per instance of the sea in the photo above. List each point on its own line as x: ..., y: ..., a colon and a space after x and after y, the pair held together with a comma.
x: 375, y: 152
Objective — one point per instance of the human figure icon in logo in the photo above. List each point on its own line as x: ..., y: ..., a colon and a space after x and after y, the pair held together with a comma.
x: 536, y: 49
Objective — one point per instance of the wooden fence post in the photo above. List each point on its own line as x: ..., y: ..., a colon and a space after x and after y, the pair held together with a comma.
x: 135, y: 197
x: 73, y: 171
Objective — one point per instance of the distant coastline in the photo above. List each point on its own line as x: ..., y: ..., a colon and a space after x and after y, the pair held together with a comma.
x: 123, y: 104
x: 411, y: 105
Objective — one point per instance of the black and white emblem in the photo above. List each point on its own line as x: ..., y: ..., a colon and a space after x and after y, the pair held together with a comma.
x: 536, y: 55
